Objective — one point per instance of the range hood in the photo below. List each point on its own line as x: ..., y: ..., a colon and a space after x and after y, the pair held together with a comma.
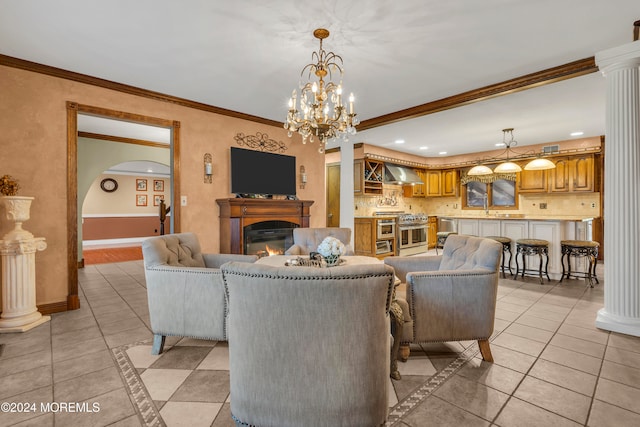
x: 395, y: 174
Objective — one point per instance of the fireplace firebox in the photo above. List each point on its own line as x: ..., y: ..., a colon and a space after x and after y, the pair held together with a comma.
x: 268, y: 237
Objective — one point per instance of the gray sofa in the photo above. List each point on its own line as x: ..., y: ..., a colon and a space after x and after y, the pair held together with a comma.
x: 309, y: 346
x: 184, y: 288
x: 451, y: 297
x: 306, y: 240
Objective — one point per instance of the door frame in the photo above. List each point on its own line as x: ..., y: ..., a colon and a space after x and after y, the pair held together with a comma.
x: 73, y: 109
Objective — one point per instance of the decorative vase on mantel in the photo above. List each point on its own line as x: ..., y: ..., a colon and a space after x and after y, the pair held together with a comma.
x: 18, y: 250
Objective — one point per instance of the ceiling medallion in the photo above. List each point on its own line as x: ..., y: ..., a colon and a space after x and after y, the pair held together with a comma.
x: 323, y: 113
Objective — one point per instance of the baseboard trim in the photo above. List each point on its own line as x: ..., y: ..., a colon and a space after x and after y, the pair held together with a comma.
x: 54, y: 307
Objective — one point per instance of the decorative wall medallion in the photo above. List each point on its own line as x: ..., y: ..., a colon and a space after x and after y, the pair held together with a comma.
x: 260, y: 141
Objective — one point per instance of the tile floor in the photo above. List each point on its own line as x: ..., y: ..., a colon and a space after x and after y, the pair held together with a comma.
x: 552, y: 366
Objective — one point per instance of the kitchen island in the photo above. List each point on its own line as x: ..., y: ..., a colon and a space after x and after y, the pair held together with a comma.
x: 518, y: 226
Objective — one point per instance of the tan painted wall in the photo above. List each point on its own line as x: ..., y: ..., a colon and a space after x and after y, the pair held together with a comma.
x: 33, y: 149
x: 123, y: 200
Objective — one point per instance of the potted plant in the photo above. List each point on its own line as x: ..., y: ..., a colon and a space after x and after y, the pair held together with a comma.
x: 8, y: 186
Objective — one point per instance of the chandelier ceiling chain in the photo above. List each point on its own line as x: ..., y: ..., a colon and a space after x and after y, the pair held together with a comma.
x: 506, y: 165
x: 322, y: 113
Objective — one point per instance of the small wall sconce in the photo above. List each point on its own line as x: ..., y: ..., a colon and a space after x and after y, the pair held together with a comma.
x: 303, y: 177
x: 208, y: 168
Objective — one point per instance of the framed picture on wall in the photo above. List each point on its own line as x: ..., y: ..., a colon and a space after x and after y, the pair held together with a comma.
x: 141, y: 185
x: 141, y: 199
x: 158, y: 185
x: 157, y: 198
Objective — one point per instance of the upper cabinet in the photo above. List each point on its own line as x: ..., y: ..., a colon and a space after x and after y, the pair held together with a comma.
x: 367, y: 177
x: 450, y: 182
x: 571, y: 174
x: 416, y: 190
x: 532, y: 181
x: 436, y: 183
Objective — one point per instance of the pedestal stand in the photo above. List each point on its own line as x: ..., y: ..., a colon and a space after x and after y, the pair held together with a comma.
x: 18, y: 250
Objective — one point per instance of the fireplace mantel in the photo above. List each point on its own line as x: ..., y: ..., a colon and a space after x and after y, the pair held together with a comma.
x: 237, y: 213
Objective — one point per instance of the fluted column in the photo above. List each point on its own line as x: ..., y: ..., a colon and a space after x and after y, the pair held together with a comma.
x: 621, y: 68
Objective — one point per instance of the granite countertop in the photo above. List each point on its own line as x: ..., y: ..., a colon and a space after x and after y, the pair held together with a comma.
x: 523, y: 217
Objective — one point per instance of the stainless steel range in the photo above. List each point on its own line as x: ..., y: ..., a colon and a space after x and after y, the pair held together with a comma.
x: 412, y: 234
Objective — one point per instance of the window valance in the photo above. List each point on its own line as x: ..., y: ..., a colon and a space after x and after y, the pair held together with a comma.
x: 487, y: 179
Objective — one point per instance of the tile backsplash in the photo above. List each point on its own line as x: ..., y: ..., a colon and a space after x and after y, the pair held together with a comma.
x: 392, y: 199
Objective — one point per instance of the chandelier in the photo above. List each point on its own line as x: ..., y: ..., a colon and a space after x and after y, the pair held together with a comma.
x: 506, y: 165
x: 323, y: 113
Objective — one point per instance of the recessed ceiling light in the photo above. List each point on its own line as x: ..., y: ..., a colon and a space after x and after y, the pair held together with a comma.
x: 577, y: 133
x: 399, y: 141
x: 149, y: 170
x: 424, y: 148
x: 500, y: 144
x: 442, y: 153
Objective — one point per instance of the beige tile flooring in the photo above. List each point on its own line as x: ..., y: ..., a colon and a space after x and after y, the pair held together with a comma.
x: 552, y: 366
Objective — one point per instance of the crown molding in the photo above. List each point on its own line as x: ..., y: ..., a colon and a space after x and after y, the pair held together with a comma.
x: 529, y: 81
x: 35, y: 67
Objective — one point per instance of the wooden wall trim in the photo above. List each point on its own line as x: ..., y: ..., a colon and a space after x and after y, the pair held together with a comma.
x: 73, y: 301
x: 123, y: 139
x: 22, y: 64
x: 175, y: 207
x: 73, y: 108
x: 54, y: 307
x: 550, y: 75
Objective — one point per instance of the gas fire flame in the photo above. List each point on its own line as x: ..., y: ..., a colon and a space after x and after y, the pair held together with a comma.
x: 274, y: 251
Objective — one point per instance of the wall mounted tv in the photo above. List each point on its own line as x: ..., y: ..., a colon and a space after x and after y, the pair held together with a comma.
x: 256, y: 172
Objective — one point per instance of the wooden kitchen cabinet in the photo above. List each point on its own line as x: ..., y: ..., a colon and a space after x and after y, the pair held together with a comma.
x: 416, y: 190
x: 532, y: 181
x: 572, y: 174
x: 367, y: 177
x: 433, y: 183
x: 365, y: 239
x: 432, y: 231
x: 358, y: 177
x: 450, y: 182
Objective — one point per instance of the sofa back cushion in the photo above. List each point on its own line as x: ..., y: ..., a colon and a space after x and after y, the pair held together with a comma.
x: 180, y: 250
x: 310, y: 238
x: 470, y: 253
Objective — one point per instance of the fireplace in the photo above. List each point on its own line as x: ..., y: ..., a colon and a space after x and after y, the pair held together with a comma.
x: 268, y: 237
x: 237, y: 214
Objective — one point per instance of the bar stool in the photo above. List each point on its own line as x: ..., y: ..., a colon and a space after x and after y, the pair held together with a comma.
x: 441, y: 237
x: 506, y: 248
x: 532, y: 247
x: 580, y: 248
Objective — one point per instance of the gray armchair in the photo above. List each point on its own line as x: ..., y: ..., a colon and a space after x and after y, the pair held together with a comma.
x: 306, y: 240
x: 451, y: 297
x: 292, y: 360
x: 184, y: 288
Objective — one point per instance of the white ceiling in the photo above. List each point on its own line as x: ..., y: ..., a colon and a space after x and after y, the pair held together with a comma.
x: 246, y: 56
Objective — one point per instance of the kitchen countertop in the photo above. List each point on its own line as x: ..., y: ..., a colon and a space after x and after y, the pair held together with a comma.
x: 524, y: 217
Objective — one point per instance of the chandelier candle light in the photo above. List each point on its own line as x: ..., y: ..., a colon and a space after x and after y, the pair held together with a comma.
x: 322, y: 113
x: 507, y: 166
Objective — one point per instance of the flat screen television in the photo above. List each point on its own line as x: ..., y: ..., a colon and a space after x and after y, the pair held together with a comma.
x: 256, y: 172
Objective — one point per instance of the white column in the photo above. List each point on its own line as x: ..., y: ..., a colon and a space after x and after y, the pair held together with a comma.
x: 346, y: 187
x: 621, y: 312
x: 18, y: 250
